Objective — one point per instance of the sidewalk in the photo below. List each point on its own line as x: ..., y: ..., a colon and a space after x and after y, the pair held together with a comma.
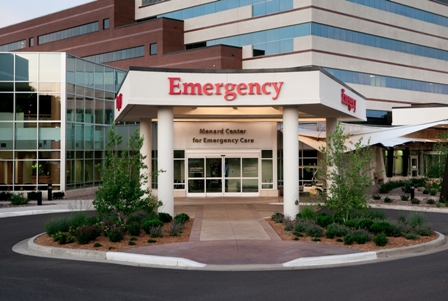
x: 226, y: 234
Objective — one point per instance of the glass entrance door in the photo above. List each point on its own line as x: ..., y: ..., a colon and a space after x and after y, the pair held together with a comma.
x: 223, y: 176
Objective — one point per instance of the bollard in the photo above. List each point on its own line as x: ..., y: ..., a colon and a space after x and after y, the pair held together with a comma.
x: 50, y: 192
x: 39, y: 198
x: 412, y: 192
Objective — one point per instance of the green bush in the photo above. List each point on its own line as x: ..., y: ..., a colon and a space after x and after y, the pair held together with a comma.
x: 376, y: 197
x: 433, y: 192
x: 165, y: 217
x: 404, y: 197
x: 63, y: 238
x: 156, y: 232
x: 307, y: 214
x: 423, y: 230
x: 415, y: 219
x: 19, y: 199
x: 388, y: 200
x: 380, y: 240
x: 314, y: 231
x: 382, y: 227
x: 58, y: 195
x: 134, y: 228
x: 415, y: 201
x: 411, y: 236
x: 289, y: 223
x: 364, y: 223
x: 176, y: 229
x: 351, y: 223
x: 377, y: 214
x: 324, y: 220
x: 336, y: 230
x: 299, y: 227
x: 430, y: 202
x: 278, y: 217
x: 78, y: 219
x: 181, y: 218
x: 361, y: 236
x: 57, y: 224
x: 85, y: 234
x: 34, y: 195
x: 389, y: 186
x: 349, y: 239
x: 425, y: 191
x: 152, y: 223
x: 116, y: 234
x: 5, y: 196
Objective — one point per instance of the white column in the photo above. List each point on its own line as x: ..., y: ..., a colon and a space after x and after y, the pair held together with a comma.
x: 165, y: 142
x: 290, y: 160
x: 146, y: 150
x: 331, y: 124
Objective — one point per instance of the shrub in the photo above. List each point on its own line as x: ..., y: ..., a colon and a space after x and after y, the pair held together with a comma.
x: 380, y: 240
x: 134, y: 228
x: 5, y: 196
x: 63, y: 238
x: 388, y: 200
x: 307, y: 214
x: 131, y: 243
x: 336, y: 230
x: 175, y: 229
x: 430, y: 202
x: 423, y: 230
x: 86, y: 233
x: 415, y: 219
x: 314, y: 231
x: 58, y: 195
x: 324, y: 220
x: 360, y: 236
x: 415, y: 201
x: 165, y: 217
x: 78, y: 219
x: 289, y: 223
x: 404, y: 197
x: 425, y: 191
x: 152, y: 223
x: 19, y: 199
x: 365, y: 223
x: 376, y: 197
x: 56, y: 224
x: 316, y: 239
x: 299, y: 227
x: 411, y: 236
x: 349, y: 239
x: 156, y: 232
x: 377, y: 214
x: 433, y: 192
x: 181, y: 218
x: 382, y: 227
x: 97, y: 245
x: 34, y: 195
x: 116, y: 234
x: 278, y: 217
x: 351, y: 223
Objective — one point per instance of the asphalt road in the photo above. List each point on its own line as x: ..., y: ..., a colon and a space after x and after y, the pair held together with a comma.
x: 33, y: 278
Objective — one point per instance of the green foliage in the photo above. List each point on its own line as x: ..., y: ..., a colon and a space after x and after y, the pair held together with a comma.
x: 336, y: 230
x: 324, y: 220
x: 377, y: 214
x: 389, y: 186
x: 176, y: 229
x: 278, y: 217
x: 361, y: 236
x: 415, y: 201
x: 78, y: 219
x: 423, y: 230
x: 85, y: 234
x: 382, y: 227
x: 376, y: 197
x: 181, y: 218
x: 151, y: 223
x: 299, y: 227
x: 380, y: 240
x: 314, y: 231
x: 351, y: 223
x: 156, y: 232
x: 411, y: 236
x: 347, y: 171
x: 63, y: 238
x: 116, y: 234
x: 433, y: 192
x: 307, y: 214
x: 349, y: 238
x: 97, y: 245
x: 430, y: 202
x: 436, y: 162
x: 58, y: 195
x: 365, y: 223
x: 57, y: 224
x: 131, y: 243
x: 388, y: 200
x: 134, y: 228
x: 165, y: 217
x: 404, y: 197
x: 34, y: 195
x: 123, y: 175
x: 289, y: 223
x: 5, y: 196
x: 19, y: 199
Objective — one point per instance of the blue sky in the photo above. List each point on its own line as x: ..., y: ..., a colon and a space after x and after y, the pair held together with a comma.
x: 16, y: 11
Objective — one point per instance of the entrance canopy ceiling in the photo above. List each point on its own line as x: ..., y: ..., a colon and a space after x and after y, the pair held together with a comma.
x: 236, y: 94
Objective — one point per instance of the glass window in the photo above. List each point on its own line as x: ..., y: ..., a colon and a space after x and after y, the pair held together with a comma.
x: 26, y: 106
x: 6, y: 135
x: 49, y: 135
x: 89, y: 110
x: 26, y: 135
x: 50, y: 67
x: 6, y: 106
x: 50, y: 107
x: 153, y: 49
x: 31, y: 42
x: 106, y: 24
x: 26, y: 67
x: 88, y: 137
x: 80, y: 109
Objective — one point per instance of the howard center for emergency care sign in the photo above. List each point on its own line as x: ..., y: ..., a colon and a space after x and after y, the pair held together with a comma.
x: 222, y: 126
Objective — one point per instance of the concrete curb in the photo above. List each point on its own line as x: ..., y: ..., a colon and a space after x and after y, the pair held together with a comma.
x: 183, y: 263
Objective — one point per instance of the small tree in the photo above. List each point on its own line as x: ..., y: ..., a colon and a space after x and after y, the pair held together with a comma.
x: 436, y: 164
x: 348, y: 172
x: 123, y: 176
